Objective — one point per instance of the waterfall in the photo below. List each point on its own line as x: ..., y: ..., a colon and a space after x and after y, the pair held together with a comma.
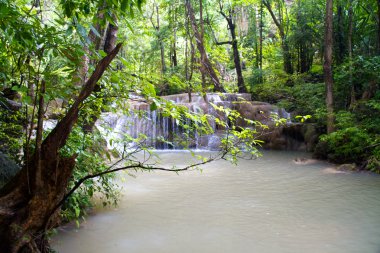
x: 167, y: 133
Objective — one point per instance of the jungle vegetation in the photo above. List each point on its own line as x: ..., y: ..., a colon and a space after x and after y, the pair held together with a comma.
x: 313, y: 57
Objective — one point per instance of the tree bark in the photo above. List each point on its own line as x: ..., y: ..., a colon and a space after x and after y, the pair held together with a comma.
x: 304, y: 50
x: 256, y: 25
x: 235, y: 49
x: 261, y: 42
x: 202, y: 68
x: 327, y: 66
x: 81, y: 77
x: 162, y: 49
x: 173, y: 45
x: 340, y: 44
x: 349, y: 45
x: 28, y: 202
x: 109, y: 45
x: 157, y: 27
x: 189, y: 69
x: 205, y: 62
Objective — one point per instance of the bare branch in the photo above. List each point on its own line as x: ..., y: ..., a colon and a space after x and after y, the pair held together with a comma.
x: 136, y: 165
x: 223, y: 42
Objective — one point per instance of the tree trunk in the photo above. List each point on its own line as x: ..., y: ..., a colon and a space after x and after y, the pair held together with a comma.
x: 109, y: 45
x: 206, y: 67
x: 305, y: 57
x: 327, y: 66
x: 305, y: 52
x: 256, y: 25
x: 202, y: 68
x: 81, y: 77
x: 239, y: 73
x: 189, y: 69
x: 287, y: 57
x: 349, y: 44
x: 173, y: 57
x: 28, y: 203
x: 235, y: 49
x: 340, y: 44
x: 162, y: 49
x: 288, y: 67
x: 173, y: 45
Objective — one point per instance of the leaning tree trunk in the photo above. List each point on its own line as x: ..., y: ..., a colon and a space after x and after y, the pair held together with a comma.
x: 287, y: 56
x: 29, y: 203
x: 109, y: 44
x: 206, y: 64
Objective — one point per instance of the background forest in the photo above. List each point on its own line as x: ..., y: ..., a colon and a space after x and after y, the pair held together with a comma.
x: 272, y: 49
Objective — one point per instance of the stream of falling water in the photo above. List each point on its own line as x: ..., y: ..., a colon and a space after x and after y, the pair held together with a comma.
x: 269, y: 205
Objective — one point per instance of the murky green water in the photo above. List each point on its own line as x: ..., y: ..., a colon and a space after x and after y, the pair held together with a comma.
x: 270, y: 205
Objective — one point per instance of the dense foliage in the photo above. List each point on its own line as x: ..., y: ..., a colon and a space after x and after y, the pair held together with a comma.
x: 273, y: 49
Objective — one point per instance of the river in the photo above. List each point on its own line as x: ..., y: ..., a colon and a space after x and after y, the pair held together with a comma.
x: 268, y: 205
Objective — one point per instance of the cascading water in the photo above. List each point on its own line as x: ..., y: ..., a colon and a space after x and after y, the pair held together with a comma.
x: 166, y: 133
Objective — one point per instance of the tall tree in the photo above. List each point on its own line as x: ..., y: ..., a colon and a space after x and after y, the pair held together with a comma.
x: 261, y: 27
x: 189, y: 68
x: 173, y: 24
x: 30, y: 202
x: 202, y: 37
x: 157, y: 27
x: 229, y: 17
x: 349, y: 45
x: 340, y: 45
x: 206, y: 64
x: 327, y: 65
x: 302, y: 37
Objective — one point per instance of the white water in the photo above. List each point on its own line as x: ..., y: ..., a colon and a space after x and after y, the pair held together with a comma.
x: 270, y: 205
x: 142, y: 121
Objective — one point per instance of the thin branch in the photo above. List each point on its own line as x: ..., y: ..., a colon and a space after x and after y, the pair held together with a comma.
x: 137, y: 165
x: 223, y: 42
x: 275, y: 20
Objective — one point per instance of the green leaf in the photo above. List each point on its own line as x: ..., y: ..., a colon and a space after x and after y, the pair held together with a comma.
x: 102, y: 53
x: 123, y: 5
x: 153, y: 106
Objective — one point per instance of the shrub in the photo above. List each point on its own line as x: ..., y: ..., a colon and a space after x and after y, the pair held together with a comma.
x: 346, y: 145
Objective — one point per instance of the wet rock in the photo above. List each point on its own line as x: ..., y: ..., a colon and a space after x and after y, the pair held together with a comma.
x: 54, y: 109
x: 331, y: 170
x: 304, y: 161
x: 347, y: 167
x: 214, y: 142
x: 10, y: 104
x: 154, y: 125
